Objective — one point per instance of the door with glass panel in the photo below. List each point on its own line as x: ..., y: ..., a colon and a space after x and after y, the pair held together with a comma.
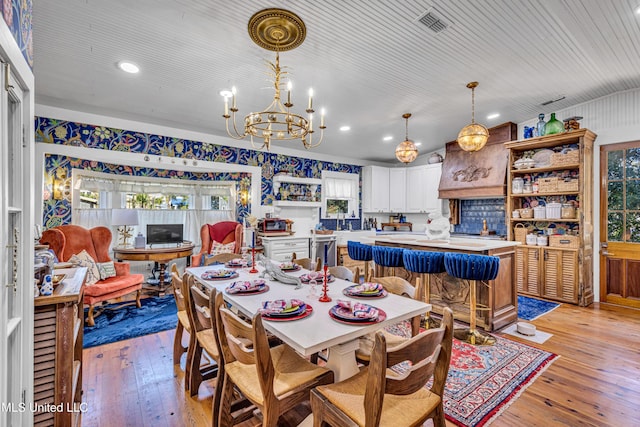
x: 620, y: 224
x: 16, y: 265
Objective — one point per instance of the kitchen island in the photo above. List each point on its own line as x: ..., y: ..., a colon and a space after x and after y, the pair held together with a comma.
x: 498, y: 297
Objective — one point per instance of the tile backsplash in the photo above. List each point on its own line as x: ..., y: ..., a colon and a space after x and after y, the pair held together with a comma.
x: 472, y: 212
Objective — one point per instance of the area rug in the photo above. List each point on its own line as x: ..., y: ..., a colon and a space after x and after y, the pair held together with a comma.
x: 484, y: 380
x: 532, y: 308
x: 156, y: 314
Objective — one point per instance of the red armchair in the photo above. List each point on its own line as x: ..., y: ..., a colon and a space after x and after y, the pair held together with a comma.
x: 67, y: 240
x: 222, y: 232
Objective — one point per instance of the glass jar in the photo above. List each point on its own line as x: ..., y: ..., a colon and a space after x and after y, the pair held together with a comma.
x: 567, y: 211
x: 540, y: 125
x: 517, y: 185
x: 553, y: 126
x: 528, y: 187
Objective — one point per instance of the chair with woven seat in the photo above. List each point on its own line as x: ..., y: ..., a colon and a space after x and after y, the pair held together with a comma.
x: 379, y: 396
x: 425, y: 264
x: 360, y: 252
x: 398, y: 286
x: 183, y: 318
x: 385, y: 258
x: 306, y: 263
x: 274, y: 379
x: 202, y: 336
x: 472, y: 269
x: 220, y: 233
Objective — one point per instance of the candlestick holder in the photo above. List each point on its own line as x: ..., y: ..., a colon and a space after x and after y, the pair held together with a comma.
x: 325, y: 287
x: 253, y: 260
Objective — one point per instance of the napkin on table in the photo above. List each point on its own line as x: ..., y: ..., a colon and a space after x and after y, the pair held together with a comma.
x: 367, y: 287
x: 245, y: 286
x: 362, y: 311
x: 279, y: 306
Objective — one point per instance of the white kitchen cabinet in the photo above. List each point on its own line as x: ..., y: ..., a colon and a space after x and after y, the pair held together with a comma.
x: 422, y: 188
x: 375, y: 189
x: 281, y: 248
x: 397, y: 193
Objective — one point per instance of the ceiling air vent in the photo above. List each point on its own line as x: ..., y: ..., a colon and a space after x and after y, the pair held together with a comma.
x: 433, y: 20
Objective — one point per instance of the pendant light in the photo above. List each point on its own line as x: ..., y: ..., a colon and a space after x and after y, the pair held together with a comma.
x: 406, y: 151
x: 473, y: 136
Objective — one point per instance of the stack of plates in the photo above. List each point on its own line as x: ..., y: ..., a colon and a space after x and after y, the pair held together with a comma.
x: 220, y: 274
x: 361, y: 291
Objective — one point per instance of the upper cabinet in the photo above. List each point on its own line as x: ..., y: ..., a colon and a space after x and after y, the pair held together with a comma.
x: 401, y: 190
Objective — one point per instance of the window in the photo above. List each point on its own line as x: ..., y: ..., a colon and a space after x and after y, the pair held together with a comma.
x: 340, y: 196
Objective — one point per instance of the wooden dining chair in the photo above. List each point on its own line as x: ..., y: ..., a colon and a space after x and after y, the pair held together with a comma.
x: 274, y: 379
x: 201, y: 338
x: 220, y: 258
x: 342, y: 272
x: 398, y: 286
x: 380, y: 396
x: 306, y: 263
x: 183, y: 318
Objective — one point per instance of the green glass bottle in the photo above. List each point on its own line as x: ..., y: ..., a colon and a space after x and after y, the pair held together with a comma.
x: 553, y: 125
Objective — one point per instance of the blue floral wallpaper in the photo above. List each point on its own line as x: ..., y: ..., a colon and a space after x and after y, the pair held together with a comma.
x: 63, y: 132
x: 17, y: 14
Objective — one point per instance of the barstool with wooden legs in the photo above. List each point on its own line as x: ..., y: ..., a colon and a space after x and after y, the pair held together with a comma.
x: 426, y: 265
x: 360, y: 252
x: 387, y: 257
x: 474, y: 269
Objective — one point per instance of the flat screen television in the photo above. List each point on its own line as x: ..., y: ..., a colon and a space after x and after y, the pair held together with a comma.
x: 164, y: 233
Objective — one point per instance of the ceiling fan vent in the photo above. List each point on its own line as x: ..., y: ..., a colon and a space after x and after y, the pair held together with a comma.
x: 433, y: 20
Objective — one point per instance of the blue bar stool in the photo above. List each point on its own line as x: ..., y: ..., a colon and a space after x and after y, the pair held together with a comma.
x: 387, y: 257
x: 360, y: 252
x: 425, y: 264
x: 472, y: 268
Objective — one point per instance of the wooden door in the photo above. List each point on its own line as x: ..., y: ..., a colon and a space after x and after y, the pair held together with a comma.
x: 527, y: 265
x: 560, y: 281
x: 620, y: 224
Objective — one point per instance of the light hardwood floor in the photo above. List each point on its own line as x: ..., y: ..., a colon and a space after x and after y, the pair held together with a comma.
x: 595, y: 382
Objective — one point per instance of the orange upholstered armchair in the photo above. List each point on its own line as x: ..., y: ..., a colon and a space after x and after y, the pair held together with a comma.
x: 223, y: 232
x: 69, y: 240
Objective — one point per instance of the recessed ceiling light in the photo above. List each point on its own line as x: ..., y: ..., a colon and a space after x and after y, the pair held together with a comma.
x: 128, y: 67
x: 345, y: 128
x: 418, y: 144
x: 387, y: 138
x: 493, y: 116
x: 226, y: 93
x: 638, y: 10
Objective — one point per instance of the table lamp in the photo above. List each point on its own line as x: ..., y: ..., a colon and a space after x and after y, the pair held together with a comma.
x: 124, y: 219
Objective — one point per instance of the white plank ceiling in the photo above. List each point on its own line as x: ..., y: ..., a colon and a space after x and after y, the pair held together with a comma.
x: 368, y: 62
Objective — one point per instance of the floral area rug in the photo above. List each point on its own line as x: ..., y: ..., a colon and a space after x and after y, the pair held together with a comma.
x: 532, y: 308
x: 156, y: 314
x: 484, y: 380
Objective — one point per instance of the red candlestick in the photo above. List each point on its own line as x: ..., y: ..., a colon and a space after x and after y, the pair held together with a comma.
x: 324, y: 297
x: 253, y: 260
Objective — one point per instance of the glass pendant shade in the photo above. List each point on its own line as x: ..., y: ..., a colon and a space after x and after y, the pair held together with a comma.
x: 473, y: 137
x: 406, y: 151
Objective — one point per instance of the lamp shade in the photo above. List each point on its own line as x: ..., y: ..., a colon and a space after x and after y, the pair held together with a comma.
x: 124, y: 217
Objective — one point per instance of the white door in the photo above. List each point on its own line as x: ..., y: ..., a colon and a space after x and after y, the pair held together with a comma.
x: 16, y: 265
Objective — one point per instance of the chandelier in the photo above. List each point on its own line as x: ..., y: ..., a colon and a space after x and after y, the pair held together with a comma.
x: 276, y: 30
x: 473, y: 136
x: 406, y: 151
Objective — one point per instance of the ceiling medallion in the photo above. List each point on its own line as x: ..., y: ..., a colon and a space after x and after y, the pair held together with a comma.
x: 276, y: 30
x: 406, y: 151
x: 473, y: 136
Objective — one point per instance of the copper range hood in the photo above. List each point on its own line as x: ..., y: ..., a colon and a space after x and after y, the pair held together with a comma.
x: 479, y: 174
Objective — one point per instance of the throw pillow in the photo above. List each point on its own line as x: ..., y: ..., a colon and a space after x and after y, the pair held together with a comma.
x: 106, y: 269
x: 221, y: 248
x: 83, y: 259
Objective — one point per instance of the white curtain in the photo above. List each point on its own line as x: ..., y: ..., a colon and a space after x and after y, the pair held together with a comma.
x: 336, y: 188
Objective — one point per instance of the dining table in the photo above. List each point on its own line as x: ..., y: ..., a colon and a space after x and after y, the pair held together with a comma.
x: 317, y: 330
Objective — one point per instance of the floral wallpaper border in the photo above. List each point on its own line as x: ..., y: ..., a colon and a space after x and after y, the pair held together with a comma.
x: 63, y: 132
x: 18, y: 16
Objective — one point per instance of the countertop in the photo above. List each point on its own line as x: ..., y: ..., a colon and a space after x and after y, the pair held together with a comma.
x: 471, y: 245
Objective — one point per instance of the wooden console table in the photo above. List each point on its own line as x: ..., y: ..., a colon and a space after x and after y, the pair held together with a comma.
x: 160, y: 256
x: 395, y: 225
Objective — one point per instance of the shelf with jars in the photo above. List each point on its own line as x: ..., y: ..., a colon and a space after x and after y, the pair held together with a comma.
x: 296, y: 191
x: 550, y: 209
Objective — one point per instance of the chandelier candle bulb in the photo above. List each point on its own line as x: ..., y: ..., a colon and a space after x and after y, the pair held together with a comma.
x: 289, y: 105
x: 310, y: 100
x: 322, y: 118
x: 226, y: 106
x: 233, y: 97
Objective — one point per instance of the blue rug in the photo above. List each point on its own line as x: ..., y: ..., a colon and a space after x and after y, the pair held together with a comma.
x: 532, y: 308
x: 157, y: 314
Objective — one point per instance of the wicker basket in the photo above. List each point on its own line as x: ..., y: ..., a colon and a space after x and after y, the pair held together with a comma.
x: 569, y: 158
x: 520, y: 233
x: 568, y: 184
x: 564, y: 241
x: 547, y: 185
x: 526, y: 213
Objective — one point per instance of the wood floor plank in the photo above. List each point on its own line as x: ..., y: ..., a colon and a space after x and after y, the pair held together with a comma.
x: 594, y: 382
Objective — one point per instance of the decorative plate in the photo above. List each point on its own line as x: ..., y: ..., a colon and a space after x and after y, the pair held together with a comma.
x: 349, y: 291
x: 304, y: 278
x: 289, y: 266
x: 302, y: 312
x: 343, y: 315
x: 543, y: 158
x: 235, y: 264
x: 221, y: 274
x: 57, y: 279
x: 257, y: 286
